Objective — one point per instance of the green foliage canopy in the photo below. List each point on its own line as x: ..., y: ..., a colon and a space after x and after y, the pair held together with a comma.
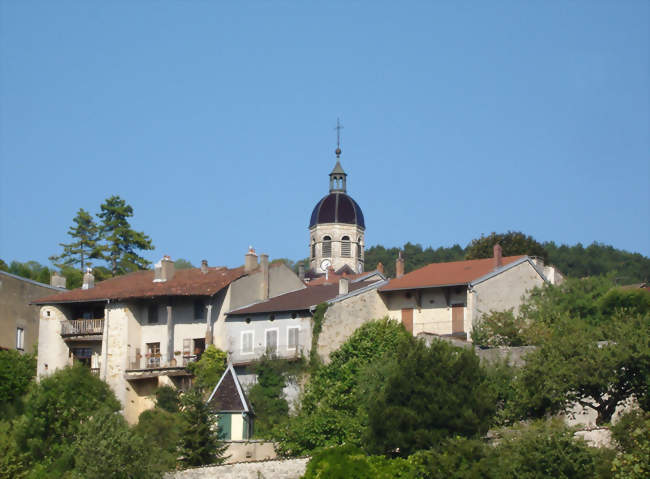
x: 512, y: 243
x: 85, y: 235
x: 120, y: 241
x: 16, y: 374
x: 209, y: 368
x: 267, y: 397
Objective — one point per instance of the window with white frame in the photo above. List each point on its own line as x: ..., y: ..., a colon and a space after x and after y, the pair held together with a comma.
x: 293, y: 338
x: 271, y: 341
x: 247, y: 342
x: 20, y: 338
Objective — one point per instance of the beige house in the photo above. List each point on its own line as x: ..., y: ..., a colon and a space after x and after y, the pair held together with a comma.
x: 450, y: 298
x: 18, y: 318
x: 140, y: 330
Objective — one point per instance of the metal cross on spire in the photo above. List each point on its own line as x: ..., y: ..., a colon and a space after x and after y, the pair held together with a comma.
x: 338, y: 129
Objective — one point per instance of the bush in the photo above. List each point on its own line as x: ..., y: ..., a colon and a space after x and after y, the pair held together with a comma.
x: 162, y: 430
x: 500, y: 329
x: 167, y: 399
x: 209, y: 368
x: 267, y: 397
x: 345, y: 462
x: 16, y: 373
x: 632, y: 434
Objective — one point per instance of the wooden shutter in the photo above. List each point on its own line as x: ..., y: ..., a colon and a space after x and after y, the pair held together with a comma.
x: 407, y: 319
x: 458, y: 318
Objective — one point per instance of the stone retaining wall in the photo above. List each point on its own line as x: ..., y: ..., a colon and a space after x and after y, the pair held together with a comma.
x: 281, y: 469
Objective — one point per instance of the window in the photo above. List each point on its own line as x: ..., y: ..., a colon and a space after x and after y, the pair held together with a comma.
x: 247, y: 342
x: 271, y: 341
x: 199, y: 309
x: 293, y: 338
x: 313, y: 249
x: 153, y: 355
x: 20, y: 339
x: 82, y: 355
x: 327, y: 246
x: 152, y: 314
x: 345, y: 247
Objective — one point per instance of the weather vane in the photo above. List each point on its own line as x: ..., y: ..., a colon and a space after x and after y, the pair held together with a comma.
x: 338, y: 129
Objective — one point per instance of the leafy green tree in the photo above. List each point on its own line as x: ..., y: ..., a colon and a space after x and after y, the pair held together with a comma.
x: 167, y: 399
x: 3, y: 266
x: 85, y: 235
x: 632, y: 434
x: 631, y: 301
x: 208, y: 370
x: 267, y: 397
x: 12, y: 464
x: 456, y: 457
x: 199, y: 443
x: 424, y: 394
x: 181, y: 263
x: 513, y: 243
x: 16, y: 374
x: 500, y: 328
x: 572, y: 366
x: 54, y: 411
x: 331, y: 411
x: 107, y: 448
x: 120, y: 241
x: 162, y: 430
x: 30, y: 270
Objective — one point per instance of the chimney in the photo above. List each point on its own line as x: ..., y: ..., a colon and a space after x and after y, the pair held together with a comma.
x: 497, y: 256
x: 57, y: 280
x: 250, y: 260
x: 301, y: 272
x: 264, y: 263
x: 163, y: 270
x: 89, y: 279
x: 204, y: 266
x: 344, y: 286
x: 399, y: 266
x: 380, y: 267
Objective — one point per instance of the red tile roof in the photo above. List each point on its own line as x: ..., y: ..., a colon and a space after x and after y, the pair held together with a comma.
x: 446, y: 274
x: 334, y: 278
x: 186, y: 282
x: 299, y: 300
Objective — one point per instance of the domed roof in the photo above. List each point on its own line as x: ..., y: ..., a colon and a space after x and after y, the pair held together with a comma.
x: 337, y: 207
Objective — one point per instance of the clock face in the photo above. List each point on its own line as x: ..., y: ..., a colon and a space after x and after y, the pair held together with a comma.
x: 325, y: 264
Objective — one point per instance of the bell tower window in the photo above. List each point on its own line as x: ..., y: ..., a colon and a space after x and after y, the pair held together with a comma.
x: 327, y: 246
x: 345, y: 247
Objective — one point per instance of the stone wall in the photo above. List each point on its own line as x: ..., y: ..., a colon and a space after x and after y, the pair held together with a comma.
x: 344, y: 317
x: 282, y: 469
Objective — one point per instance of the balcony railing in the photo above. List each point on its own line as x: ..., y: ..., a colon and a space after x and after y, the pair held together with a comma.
x: 82, y: 327
x: 159, y: 362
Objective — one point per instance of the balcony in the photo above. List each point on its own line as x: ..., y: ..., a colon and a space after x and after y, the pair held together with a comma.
x: 155, y: 365
x: 239, y: 358
x: 82, y: 329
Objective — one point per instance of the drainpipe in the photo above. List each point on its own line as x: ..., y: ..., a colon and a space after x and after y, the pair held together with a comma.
x: 104, y: 365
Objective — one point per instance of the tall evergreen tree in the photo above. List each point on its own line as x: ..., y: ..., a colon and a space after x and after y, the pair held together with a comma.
x: 199, y: 443
x: 85, y: 234
x: 120, y: 240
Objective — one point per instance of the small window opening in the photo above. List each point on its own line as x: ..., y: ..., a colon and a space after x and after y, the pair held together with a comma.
x: 327, y: 246
x: 345, y: 247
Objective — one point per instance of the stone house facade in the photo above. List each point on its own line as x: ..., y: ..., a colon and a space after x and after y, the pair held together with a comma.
x: 139, y: 331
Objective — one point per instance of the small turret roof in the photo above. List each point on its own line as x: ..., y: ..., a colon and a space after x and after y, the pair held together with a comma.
x: 338, y: 169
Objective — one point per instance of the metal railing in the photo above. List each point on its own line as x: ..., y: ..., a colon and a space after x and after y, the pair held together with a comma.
x: 160, y: 362
x: 82, y: 327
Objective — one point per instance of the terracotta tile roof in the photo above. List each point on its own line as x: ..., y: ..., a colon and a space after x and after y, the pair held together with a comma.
x: 299, y: 300
x: 443, y: 274
x: 228, y: 395
x: 186, y: 282
x: 334, y: 277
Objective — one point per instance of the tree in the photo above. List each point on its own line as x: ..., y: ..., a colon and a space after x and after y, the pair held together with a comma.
x: 632, y: 435
x: 167, y: 399
x: 500, y: 328
x: 107, y: 448
x: 85, y: 235
x: 181, y: 263
x: 331, y: 411
x: 267, y: 396
x: 162, y: 430
x: 199, y: 442
x: 424, y: 394
x: 209, y: 368
x: 55, y: 410
x: 120, y: 240
x: 16, y: 374
x: 572, y: 366
x: 513, y: 243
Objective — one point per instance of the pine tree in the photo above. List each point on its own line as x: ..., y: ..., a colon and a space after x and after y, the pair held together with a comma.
x: 120, y: 240
x: 86, y: 235
x: 199, y: 444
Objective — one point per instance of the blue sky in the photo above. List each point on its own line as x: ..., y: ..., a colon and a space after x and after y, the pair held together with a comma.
x: 215, y: 121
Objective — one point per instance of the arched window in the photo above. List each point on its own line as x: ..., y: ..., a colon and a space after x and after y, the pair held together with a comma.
x: 345, y: 246
x: 313, y: 249
x: 360, y: 248
x: 327, y: 246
